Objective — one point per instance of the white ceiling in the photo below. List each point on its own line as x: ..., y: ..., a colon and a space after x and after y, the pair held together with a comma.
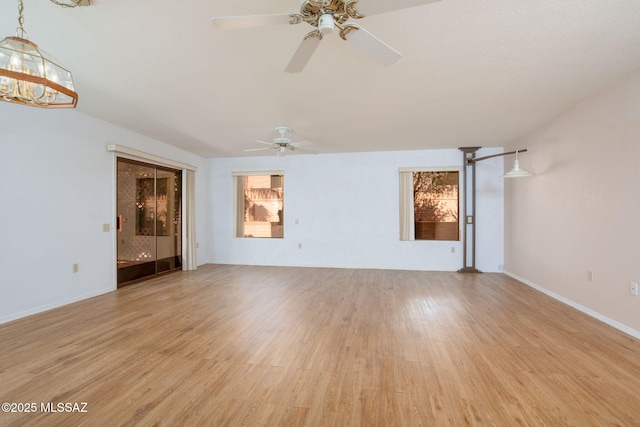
x: 473, y: 72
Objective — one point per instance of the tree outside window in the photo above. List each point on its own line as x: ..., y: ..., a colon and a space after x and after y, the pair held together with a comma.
x: 436, y: 205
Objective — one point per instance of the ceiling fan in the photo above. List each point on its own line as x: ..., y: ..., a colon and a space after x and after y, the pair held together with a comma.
x: 326, y: 16
x: 282, y: 144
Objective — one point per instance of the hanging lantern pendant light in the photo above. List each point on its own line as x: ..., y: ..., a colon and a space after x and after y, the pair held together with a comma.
x: 30, y: 76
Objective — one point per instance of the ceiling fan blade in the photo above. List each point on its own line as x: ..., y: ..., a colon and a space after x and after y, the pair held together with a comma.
x: 264, y: 142
x: 299, y: 143
x: 256, y: 149
x: 372, y: 46
x: 303, y: 54
x: 250, y: 21
x: 303, y: 150
x: 374, y: 7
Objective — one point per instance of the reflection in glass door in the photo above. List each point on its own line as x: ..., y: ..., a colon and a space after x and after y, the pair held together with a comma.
x: 149, y: 222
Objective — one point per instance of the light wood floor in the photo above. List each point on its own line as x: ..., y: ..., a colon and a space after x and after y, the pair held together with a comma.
x: 238, y: 345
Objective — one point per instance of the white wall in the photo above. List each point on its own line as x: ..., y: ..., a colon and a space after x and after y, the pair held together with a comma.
x: 347, y: 208
x: 581, y: 212
x: 57, y: 191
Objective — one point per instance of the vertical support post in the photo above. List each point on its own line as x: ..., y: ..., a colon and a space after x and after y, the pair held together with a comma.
x: 469, y: 188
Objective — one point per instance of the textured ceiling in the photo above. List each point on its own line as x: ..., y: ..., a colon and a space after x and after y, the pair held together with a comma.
x: 473, y: 72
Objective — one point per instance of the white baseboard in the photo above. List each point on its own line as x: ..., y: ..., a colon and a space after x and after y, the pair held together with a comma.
x: 47, y: 307
x: 620, y: 326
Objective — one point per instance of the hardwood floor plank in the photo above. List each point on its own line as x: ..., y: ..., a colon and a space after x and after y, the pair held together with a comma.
x: 243, y: 345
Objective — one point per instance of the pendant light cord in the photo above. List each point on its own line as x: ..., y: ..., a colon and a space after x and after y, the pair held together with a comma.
x: 20, y: 32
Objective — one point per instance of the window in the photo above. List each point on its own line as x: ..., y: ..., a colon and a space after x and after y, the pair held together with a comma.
x: 259, y: 205
x: 429, y: 205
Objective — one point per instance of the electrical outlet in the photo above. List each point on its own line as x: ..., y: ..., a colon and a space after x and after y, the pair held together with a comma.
x: 634, y: 288
x: 76, y: 267
x: 299, y: 245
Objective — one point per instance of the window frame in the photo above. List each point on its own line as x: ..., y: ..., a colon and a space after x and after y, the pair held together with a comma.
x: 407, y: 208
x: 238, y: 202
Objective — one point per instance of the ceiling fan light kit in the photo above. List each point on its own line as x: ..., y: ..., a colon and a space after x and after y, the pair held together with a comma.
x: 326, y: 24
x: 325, y: 16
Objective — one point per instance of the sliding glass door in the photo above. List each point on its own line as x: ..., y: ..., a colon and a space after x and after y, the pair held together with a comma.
x: 149, y: 222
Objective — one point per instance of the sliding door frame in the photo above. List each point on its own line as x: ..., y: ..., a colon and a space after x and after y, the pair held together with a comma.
x: 188, y: 232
